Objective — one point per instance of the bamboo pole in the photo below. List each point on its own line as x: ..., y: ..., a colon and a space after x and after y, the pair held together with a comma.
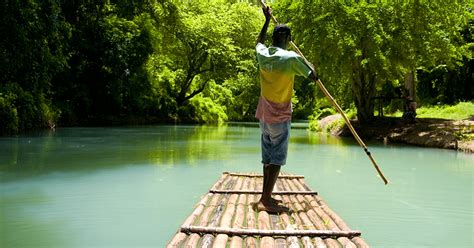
x: 319, y: 242
x: 251, y: 241
x: 327, y: 220
x: 301, y: 220
x: 292, y: 241
x: 259, y: 191
x: 332, y: 243
x: 261, y: 175
x: 208, y: 239
x: 346, y: 243
x: 204, y: 219
x: 237, y: 241
x: 227, y: 216
x: 180, y: 237
x: 334, y: 103
x: 239, y: 183
x: 301, y: 185
x: 177, y: 240
x: 298, y: 185
x: 193, y: 240
x: 335, y: 217
x: 264, y: 224
x: 198, y: 210
x: 260, y: 232
x: 360, y: 242
x: 219, y: 183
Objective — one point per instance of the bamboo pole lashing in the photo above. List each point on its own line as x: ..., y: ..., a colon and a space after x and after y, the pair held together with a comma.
x: 336, y: 105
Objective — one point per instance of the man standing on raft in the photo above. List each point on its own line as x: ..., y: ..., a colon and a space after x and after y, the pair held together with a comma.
x: 278, y: 68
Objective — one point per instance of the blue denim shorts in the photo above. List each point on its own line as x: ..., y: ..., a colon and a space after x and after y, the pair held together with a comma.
x: 275, y: 139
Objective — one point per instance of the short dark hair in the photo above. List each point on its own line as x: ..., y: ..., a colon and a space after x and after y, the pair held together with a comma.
x: 281, y: 30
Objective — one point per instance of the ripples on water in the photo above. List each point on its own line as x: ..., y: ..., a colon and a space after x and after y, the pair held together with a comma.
x: 89, y: 187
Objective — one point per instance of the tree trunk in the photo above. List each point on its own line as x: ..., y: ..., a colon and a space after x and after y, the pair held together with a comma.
x: 363, y: 88
x: 410, y: 85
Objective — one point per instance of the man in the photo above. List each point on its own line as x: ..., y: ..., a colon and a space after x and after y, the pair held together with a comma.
x: 278, y: 68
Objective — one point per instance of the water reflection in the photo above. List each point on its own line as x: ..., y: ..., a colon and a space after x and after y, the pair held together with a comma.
x: 81, y: 187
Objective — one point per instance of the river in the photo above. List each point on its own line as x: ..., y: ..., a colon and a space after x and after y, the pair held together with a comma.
x: 134, y: 186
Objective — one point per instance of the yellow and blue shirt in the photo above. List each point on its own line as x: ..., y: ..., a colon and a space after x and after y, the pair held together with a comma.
x: 278, y: 68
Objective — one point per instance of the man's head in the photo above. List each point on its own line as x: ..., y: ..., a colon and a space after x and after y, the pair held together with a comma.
x: 281, y: 36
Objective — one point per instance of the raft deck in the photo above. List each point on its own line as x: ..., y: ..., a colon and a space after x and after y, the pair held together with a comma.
x: 225, y: 217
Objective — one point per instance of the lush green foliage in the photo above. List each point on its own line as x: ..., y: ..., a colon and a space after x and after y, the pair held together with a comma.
x: 364, y: 45
x: 103, y: 63
x: 204, y: 55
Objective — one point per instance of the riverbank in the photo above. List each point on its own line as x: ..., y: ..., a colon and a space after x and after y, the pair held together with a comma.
x: 427, y: 132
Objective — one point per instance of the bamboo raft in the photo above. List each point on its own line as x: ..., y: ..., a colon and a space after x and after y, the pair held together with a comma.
x: 225, y: 217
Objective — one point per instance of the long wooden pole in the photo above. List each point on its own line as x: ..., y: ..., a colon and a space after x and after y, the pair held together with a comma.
x: 334, y: 103
x: 260, y: 232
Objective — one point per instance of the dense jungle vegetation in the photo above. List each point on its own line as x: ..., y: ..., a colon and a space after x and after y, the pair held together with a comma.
x: 70, y: 63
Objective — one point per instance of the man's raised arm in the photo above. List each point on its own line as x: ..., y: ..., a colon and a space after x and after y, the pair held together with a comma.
x: 263, y: 33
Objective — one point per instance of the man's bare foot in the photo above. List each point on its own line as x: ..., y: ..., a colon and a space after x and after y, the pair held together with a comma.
x: 274, y: 201
x: 271, y: 208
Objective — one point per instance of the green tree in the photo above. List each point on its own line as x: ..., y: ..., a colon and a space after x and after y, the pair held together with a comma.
x: 199, y: 45
x: 368, y: 44
x: 105, y: 79
x: 32, y: 51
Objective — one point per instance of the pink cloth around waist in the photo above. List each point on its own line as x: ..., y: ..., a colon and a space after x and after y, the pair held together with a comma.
x: 271, y: 113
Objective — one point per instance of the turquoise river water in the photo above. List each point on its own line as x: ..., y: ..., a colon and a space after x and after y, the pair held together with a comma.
x: 134, y: 186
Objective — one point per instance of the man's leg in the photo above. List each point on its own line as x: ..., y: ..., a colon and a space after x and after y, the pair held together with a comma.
x: 269, y: 204
x: 270, y: 175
